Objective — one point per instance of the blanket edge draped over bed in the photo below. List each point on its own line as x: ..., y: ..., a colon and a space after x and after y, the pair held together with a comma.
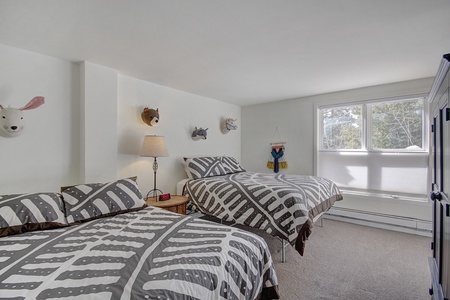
x: 306, y: 229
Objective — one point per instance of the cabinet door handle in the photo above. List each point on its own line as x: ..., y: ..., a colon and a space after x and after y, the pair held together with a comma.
x: 435, y: 196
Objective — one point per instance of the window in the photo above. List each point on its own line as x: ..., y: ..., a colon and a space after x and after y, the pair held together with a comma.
x: 387, y: 125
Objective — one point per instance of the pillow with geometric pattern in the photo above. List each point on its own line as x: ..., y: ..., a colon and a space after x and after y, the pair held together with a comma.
x: 21, y: 213
x: 231, y: 165
x: 206, y: 166
x: 85, y: 202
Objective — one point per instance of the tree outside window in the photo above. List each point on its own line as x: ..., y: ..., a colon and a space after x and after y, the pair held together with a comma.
x: 397, y: 125
x: 342, y: 128
x: 393, y: 125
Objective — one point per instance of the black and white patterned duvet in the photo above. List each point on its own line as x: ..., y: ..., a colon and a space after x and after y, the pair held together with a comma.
x: 282, y: 205
x: 147, y: 254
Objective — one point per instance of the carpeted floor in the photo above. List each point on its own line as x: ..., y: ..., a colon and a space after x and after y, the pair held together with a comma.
x: 345, y: 261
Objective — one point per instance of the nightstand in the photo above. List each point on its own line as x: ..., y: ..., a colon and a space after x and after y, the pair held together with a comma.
x: 176, y: 204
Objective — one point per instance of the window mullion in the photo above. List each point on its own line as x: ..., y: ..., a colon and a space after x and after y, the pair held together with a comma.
x: 367, y: 126
x: 321, y: 129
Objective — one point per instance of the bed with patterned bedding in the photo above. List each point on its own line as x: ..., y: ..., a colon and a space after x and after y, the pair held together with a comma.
x: 134, y: 252
x: 281, y: 205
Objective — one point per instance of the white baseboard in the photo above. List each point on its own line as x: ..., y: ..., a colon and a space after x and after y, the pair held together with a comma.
x: 389, y: 222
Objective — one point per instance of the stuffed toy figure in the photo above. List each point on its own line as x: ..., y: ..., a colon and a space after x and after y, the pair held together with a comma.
x: 199, y: 133
x: 150, y: 116
x: 11, y: 119
x: 230, y: 124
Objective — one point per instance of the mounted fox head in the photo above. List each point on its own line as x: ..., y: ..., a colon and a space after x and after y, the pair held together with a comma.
x: 199, y: 133
x: 11, y: 119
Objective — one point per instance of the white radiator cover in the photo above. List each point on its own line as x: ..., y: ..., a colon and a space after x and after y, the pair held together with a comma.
x: 378, y: 220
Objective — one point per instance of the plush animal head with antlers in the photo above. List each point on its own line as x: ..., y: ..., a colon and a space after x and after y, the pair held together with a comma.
x: 11, y: 119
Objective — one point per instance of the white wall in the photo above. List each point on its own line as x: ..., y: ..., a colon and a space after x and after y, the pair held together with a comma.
x: 179, y: 113
x: 296, y: 121
x: 90, y: 129
x: 98, y: 108
x: 45, y: 156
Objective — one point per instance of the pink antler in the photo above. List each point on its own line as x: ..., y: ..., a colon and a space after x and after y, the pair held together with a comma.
x: 34, y: 103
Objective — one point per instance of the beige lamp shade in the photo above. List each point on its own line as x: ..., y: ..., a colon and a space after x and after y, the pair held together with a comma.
x: 154, y: 146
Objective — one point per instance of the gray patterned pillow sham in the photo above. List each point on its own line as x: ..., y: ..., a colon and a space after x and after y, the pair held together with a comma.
x: 28, y: 212
x: 231, y: 165
x: 85, y: 202
x: 207, y: 166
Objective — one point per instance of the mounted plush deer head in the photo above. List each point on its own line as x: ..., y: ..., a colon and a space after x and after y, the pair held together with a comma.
x: 11, y: 119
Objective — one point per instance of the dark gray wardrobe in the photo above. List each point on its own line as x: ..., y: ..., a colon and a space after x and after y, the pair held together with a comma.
x: 440, y: 181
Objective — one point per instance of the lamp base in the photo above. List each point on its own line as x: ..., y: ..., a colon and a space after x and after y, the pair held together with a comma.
x: 155, y: 194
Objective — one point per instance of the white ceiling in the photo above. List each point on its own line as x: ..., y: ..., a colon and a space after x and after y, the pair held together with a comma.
x: 240, y: 51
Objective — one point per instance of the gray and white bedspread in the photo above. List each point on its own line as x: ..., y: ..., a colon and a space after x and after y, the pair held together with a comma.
x: 282, y: 205
x: 147, y: 254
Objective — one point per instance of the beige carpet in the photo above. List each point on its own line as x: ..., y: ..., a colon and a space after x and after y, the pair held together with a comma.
x: 353, y: 262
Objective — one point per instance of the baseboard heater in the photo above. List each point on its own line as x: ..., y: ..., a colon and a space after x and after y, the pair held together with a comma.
x: 385, y: 221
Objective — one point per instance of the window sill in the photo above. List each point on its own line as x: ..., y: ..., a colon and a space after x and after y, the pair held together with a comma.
x: 358, y: 151
x: 385, y: 195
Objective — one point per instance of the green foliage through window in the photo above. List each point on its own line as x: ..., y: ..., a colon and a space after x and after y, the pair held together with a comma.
x: 393, y: 125
x: 397, y: 125
x: 342, y: 128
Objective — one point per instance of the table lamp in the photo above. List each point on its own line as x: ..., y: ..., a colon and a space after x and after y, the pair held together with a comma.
x: 154, y: 146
